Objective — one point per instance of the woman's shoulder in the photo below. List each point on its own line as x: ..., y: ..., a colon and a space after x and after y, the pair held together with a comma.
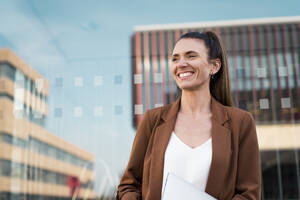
x: 154, y: 112
x: 237, y: 114
x: 158, y: 112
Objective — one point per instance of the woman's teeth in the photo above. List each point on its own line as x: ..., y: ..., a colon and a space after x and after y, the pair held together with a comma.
x: 185, y: 74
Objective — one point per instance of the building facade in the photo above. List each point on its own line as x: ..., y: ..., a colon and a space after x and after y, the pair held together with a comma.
x: 264, y: 65
x: 34, y: 163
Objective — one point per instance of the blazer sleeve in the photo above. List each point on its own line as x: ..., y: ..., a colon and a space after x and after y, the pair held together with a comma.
x: 248, y: 183
x: 130, y: 187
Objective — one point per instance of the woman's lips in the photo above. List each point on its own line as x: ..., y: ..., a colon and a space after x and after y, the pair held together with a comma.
x: 185, y: 75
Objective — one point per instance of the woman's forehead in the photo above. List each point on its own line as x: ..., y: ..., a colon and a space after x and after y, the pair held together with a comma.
x: 189, y: 44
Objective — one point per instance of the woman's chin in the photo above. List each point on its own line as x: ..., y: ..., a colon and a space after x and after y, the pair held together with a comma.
x: 185, y: 84
x: 187, y: 87
x: 193, y: 86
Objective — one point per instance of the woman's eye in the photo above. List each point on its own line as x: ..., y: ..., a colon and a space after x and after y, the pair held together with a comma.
x: 174, y: 59
x: 191, y: 56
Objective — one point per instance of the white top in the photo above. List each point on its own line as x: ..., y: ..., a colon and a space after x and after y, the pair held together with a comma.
x: 190, y: 164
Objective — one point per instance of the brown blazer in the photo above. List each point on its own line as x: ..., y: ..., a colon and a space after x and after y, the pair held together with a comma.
x: 235, y: 167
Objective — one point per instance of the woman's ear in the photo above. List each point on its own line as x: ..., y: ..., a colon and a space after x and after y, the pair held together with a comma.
x: 216, y: 65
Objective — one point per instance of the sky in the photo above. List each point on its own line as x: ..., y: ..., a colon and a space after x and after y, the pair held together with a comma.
x: 82, y: 47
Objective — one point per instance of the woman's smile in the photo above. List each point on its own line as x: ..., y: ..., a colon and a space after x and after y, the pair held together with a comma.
x: 185, y: 75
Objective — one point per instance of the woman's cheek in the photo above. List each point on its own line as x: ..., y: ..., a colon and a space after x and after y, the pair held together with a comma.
x: 173, y: 72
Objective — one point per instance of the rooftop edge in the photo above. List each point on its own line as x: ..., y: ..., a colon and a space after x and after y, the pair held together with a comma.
x: 223, y: 23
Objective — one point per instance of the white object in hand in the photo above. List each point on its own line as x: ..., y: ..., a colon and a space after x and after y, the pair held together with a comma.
x: 178, y: 189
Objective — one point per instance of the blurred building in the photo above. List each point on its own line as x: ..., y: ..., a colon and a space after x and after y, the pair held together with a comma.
x: 264, y: 64
x: 34, y: 163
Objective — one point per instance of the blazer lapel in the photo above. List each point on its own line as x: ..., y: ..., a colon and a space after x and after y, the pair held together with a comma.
x: 221, y: 144
x: 221, y: 153
x: 161, y: 140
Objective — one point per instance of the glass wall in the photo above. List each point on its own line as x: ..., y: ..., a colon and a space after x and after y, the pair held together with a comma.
x: 76, y: 78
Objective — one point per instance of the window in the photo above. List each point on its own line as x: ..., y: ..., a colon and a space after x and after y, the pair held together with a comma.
x: 5, y: 167
x: 6, y: 70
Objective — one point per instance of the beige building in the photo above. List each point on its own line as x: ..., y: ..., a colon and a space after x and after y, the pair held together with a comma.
x: 34, y: 163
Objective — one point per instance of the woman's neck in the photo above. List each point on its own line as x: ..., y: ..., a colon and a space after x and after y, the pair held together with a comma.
x: 195, y: 102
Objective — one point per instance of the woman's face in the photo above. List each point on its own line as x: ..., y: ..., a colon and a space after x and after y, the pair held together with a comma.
x: 190, y: 65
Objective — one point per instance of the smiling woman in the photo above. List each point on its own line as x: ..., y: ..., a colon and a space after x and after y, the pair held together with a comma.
x: 190, y: 66
x: 201, y: 137
x: 202, y: 55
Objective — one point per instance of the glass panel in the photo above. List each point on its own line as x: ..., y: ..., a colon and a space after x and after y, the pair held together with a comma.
x: 76, y: 83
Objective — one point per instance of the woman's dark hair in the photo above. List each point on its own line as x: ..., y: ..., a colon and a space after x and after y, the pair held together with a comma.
x: 219, y: 84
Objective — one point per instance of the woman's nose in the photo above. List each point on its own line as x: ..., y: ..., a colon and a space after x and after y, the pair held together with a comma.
x: 182, y: 62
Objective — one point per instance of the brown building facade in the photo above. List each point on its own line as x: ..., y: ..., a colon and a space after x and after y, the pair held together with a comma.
x: 264, y: 65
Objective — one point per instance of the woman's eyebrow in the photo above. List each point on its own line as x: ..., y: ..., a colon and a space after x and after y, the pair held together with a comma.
x: 190, y: 52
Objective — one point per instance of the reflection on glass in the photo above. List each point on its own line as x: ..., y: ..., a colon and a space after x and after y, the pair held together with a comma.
x: 34, y: 163
x: 264, y: 60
